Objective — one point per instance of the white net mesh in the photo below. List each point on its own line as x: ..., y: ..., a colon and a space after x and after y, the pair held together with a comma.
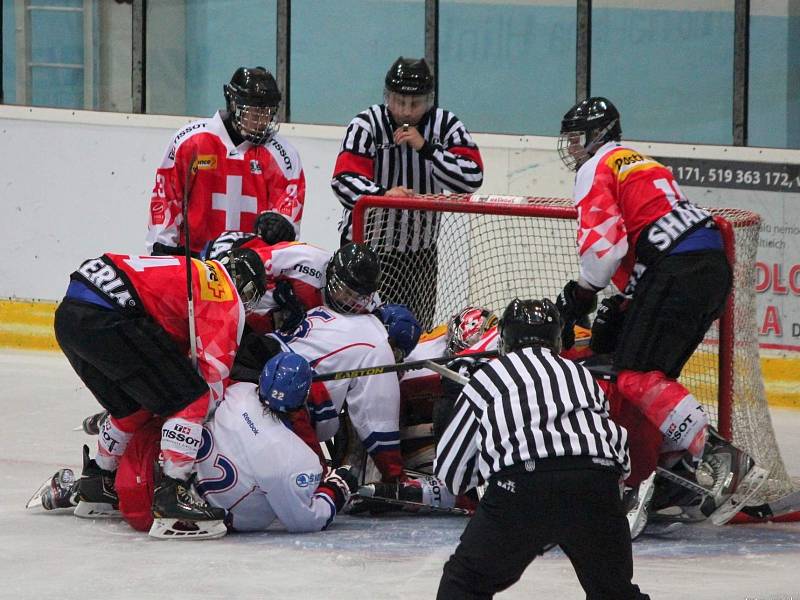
x: 485, y: 250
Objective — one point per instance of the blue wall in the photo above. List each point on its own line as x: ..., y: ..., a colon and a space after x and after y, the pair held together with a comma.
x: 504, y: 68
x: 507, y: 68
x: 221, y: 36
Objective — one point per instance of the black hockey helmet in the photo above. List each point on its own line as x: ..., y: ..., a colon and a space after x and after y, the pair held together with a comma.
x: 585, y: 127
x: 530, y: 323
x: 351, y: 278
x: 409, y: 76
x: 249, y: 276
x: 252, y: 99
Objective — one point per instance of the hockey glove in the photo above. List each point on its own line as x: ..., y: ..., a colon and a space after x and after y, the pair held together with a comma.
x: 292, y: 310
x: 339, y: 485
x: 274, y: 228
x: 608, y: 324
x: 573, y: 303
x: 253, y: 352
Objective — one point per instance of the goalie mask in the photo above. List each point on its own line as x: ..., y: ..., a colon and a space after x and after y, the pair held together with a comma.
x: 252, y: 99
x: 585, y: 128
x: 530, y: 323
x: 351, y: 278
x: 284, y: 382
x: 248, y: 274
x: 467, y: 328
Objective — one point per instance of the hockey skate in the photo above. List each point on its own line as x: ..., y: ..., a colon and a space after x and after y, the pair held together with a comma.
x: 92, y: 424
x: 717, y: 488
x: 180, y: 513
x: 95, y: 491
x: 638, y: 501
x: 60, y: 491
x: 736, y: 478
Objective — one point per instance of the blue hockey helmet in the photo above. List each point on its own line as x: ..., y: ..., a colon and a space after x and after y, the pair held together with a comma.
x: 284, y: 382
x: 402, y: 326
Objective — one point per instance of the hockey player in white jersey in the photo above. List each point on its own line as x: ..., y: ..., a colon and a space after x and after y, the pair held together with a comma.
x: 253, y: 465
x: 340, y: 335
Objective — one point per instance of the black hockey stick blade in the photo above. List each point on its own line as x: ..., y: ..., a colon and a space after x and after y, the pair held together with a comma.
x: 396, y: 367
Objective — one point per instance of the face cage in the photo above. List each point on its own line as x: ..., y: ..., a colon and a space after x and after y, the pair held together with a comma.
x: 572, y: 149
x: 345, y: 300
x: 428, y: 98
x: 250, y: 296
x: 575, y: 149
x: 267, y: 124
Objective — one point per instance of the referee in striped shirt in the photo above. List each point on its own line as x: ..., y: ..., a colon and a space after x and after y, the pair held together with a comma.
x: 404, y: 147
x: 535, y: 426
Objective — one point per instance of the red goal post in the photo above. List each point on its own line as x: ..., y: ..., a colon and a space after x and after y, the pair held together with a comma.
x: 440, y: 253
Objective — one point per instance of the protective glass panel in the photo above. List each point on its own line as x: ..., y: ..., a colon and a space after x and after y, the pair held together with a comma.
x: 194, y: 47
x: 774, y: 103
x: 668, y: 67
x: 341, y: 51
x: 9, y: 95
x: 507, y: 67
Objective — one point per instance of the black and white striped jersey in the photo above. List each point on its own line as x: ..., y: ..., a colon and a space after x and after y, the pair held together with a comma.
x: 527, y: 405
x: 370, y: 163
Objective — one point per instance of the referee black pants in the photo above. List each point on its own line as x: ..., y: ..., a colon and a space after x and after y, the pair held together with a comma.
x: 523, y: 513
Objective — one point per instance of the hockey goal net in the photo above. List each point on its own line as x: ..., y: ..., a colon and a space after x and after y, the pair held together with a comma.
x: 442, y: 253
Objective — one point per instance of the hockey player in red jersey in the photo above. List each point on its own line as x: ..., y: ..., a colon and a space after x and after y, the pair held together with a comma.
x: 637, y: 230
x: 241, y: 169
x: 124, y: 327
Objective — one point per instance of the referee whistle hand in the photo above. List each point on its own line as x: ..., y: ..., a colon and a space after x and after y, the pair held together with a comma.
x: 410, y: 136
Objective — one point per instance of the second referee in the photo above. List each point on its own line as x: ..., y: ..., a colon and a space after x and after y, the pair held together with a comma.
x: 536, y: 427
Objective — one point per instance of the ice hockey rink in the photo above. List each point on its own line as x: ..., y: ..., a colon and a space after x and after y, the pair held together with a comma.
x: 50, y: 555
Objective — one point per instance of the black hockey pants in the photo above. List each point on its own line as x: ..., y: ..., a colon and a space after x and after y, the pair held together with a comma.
x: 673, y: 306
x: 127, y: 362
x: 522, y: 513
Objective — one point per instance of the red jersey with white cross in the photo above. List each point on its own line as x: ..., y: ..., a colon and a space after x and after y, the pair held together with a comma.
x: 230, y: 187
x: 619, y: 192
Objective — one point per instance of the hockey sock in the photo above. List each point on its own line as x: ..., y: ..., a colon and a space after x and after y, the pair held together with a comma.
x: 180, y: 441
x: 114, y: 437
x: 670, y: 407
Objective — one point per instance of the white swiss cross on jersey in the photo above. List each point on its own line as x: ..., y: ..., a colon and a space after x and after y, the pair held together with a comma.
x: 233, y: 203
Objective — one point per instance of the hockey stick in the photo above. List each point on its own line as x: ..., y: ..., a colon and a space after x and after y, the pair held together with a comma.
x: 445, y: 372
x: 397, y: 367
x: 415, y: 507
x: 785, y: 508
x: 187, y: 186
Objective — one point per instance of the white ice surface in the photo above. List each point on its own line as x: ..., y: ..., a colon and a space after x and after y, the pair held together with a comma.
x: 49, y: 555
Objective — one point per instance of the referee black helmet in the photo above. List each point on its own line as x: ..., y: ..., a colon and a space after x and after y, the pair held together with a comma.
x: 530, y: 323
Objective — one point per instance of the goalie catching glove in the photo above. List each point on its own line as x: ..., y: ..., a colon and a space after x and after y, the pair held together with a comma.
x: 339, y: 485
x: 574, y: 303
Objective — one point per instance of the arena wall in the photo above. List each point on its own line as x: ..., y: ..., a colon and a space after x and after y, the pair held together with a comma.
x: 75, y: 184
